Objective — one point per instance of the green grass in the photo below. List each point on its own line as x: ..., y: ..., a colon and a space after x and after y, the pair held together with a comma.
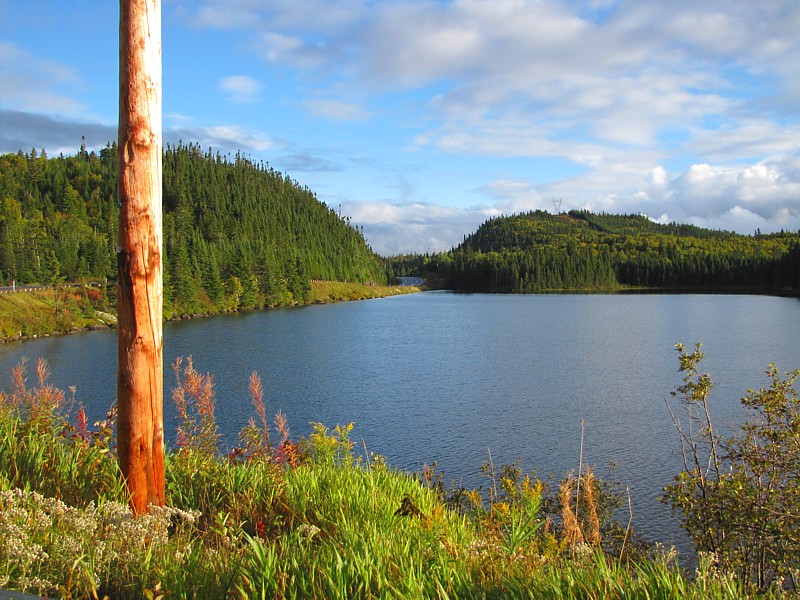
x: 36, y: 313
x: 45, y: 312
x: 338, y: 291
x: 279, y: 519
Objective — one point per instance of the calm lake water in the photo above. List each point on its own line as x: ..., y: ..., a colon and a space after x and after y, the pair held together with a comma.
x: 449, y: 377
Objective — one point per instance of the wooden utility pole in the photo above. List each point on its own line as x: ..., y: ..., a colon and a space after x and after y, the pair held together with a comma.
x: 140, y: 376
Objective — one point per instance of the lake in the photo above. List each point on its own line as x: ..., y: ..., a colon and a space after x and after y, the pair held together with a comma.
x: 449, y: 377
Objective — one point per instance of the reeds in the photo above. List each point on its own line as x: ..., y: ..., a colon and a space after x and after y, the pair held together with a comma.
x: 586, y: 527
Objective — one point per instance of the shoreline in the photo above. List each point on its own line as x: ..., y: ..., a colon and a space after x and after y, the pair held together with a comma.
x: 36, y: 315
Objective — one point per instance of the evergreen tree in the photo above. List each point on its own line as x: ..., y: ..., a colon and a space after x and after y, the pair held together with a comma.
x: 230, y: 228
x: 538, y: 251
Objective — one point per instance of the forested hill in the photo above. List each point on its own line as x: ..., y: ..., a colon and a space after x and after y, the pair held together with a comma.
x: 236, y: 234
x: 538, y: 251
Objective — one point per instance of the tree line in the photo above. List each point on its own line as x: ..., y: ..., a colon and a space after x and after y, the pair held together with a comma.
x: 237, y: 234
x: 538, y: 251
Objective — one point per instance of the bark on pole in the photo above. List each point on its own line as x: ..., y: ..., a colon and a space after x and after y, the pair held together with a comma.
x: 140, y: 377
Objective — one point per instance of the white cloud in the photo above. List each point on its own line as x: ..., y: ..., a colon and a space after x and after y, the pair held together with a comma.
x: 329, y: 16
x: 395, y: 228
x: 225, y: 138
x: 762, y: 189
x: 746, y: 139
x: 279, y: 48
x: 336, y: 110
x: 743, y: 199
x: 644, y: 70
x: 227, y: 15
x: 33, y: 84
x: 241, y: 89
x: 680, y: 109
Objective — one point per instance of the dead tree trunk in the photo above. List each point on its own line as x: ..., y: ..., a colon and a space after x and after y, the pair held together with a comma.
x: 140, y: 377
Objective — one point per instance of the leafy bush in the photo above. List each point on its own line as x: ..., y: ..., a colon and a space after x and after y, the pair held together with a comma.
x: 738, y: 496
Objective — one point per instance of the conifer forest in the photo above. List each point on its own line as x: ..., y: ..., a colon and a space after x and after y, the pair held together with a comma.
x: 237, y: 234
x: 579, y: 250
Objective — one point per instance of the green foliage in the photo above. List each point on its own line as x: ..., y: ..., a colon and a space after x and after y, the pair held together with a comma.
x: 237, y: 235
x: 60, y: 310
x: 271, y: 521
x: 57, y: 211
x: 537, y: 251
x: 331, y: 448
x: 41, y: 450
x: 738, y: 495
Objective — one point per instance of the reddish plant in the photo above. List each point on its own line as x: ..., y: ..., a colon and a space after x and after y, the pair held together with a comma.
x: 82, y: 429
x: 194, y: 403
x: 39, y: 404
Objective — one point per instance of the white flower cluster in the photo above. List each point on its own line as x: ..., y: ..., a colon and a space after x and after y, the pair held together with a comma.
x: 20, y: 526
x: 127, y: 534
x: 16, y: 521
x: 170, y: 514
x: 41, y: 537
x: 308, y: 531
x: 17, y: 546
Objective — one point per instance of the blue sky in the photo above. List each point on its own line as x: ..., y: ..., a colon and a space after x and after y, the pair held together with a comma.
x: 423, y: 118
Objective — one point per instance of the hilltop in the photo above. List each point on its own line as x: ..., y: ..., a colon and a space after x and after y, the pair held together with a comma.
x: 237, y: 234
x: 538, y: 251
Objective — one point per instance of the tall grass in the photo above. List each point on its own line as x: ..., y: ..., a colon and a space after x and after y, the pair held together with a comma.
x: 308, y: 519
x: 42, y: 450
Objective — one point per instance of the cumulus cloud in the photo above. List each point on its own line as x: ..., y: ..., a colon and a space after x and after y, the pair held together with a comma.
x: 398, y: 228
x: 744, y: 198
x: 765, y: 190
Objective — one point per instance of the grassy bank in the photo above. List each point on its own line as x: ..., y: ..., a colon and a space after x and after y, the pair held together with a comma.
x: 308, y: 518
x: 48, y: 312
x: 338, y: 291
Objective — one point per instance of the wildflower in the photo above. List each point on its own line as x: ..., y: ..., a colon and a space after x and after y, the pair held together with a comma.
x: 308, y: 531
x: 82, y: 423
x: 261, y: 530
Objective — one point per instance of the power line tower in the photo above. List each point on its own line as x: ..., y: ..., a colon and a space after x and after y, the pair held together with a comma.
x: 557, y: 205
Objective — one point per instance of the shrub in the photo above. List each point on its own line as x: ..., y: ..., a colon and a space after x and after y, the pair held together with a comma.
x: 738, y: 496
